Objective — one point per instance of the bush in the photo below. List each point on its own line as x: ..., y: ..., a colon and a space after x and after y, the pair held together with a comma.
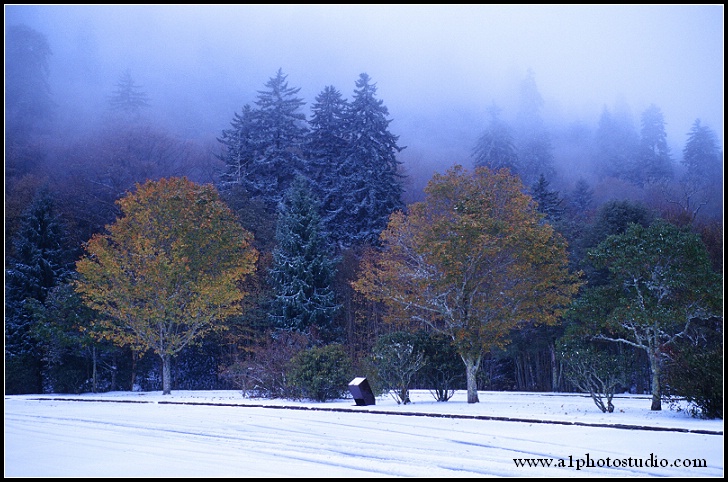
x: 397, y: 360
x: 443, y: 373
x: 321, y: 373
x: 266, y: 373
x: 596, y: 368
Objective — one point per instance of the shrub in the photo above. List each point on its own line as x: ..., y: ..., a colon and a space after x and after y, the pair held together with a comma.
x: 443, y: 372
x: 321, y: 373
x: 596, y: 368
x: 397, y: 361
x: 266, y: 373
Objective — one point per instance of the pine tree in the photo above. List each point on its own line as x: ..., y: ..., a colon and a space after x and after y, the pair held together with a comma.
x: 575, y: 227
x: 616, y: 144
x: 128, y: 98
x: 535, y: 152
x: 495, y: 148
x: 549, y: 203
x: 241, y: 149
x: 581, y: 199
x: 262, y: 151
x: 373, y: 183
x: 654, y: 163
x: 40, y: 263
x: 325, y: 149
x: 701, y: 186
x: 701, y: 154
x: 280, y: 133
x: 303, y: 269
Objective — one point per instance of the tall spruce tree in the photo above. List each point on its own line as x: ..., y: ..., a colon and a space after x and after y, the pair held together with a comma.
x: 371, y: 174
x: 616, y: 144
x: 701, y: 154
x: 654, y: 162
x: 702, y: 183
x: 495, y: 148
x: 578, y: 211
x: 128, y: 99
x: 549, y: 202
x: 40, y: 263
x: 303, y: 269
x: 240, y: 150
x: 533, y: 141
x: 281, y: 131
x: 325, y: 148
x: 580, y: 200
x: 262, y: 151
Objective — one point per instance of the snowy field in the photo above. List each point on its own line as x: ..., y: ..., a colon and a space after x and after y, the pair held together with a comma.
x: 223, y: 434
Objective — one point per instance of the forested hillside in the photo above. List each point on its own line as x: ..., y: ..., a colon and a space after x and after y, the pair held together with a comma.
x: 298, y: 245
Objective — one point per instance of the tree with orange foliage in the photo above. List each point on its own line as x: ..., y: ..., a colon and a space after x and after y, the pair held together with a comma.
x: 472, y: 261
x: 170, y: 270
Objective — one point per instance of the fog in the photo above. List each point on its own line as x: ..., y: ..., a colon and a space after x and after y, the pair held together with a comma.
x: 437, y: 68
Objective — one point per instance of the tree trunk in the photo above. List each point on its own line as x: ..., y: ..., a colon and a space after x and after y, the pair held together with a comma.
x: 654, y: 354
x: 114, y: 370
x: 95, y: 373
x: 166, y: 374
x: 133, y: 368
x: 471, y: 370
x: 518, y: 372
x: 554, y: 368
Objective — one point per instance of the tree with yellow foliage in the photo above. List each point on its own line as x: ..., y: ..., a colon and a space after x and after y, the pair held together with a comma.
x: 472, y: 261
x: 169, y: 271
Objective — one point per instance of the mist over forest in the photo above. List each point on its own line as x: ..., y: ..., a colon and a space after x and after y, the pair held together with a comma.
x: 437, y: 68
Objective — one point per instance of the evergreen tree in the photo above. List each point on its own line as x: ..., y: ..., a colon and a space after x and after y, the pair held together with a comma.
x: 616, y: 143
x: 701, y: 155
x: 535, y: 152
x: 654, y: 161
x: 549, y: 203
x: 40, y: 263
x: 495, y: 148
x: 325, y: 149
x: 581, y: 200
x: 73, y: 361
x: 612, y: 218
x: 575, y: 227
x: 262, y: 151
x: 280, y: 133
x: 303, y: 269
x: 372, y: 182
x: 241, y: 150
x: 702, y: 184
x: 128, y: 98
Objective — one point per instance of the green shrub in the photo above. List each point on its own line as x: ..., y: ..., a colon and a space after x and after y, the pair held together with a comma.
x: 321, y: 373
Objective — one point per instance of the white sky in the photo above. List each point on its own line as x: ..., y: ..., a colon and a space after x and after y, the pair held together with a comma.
x: 86, y: 439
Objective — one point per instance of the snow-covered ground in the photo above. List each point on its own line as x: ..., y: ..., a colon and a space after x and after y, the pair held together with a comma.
x: 223, y: 434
